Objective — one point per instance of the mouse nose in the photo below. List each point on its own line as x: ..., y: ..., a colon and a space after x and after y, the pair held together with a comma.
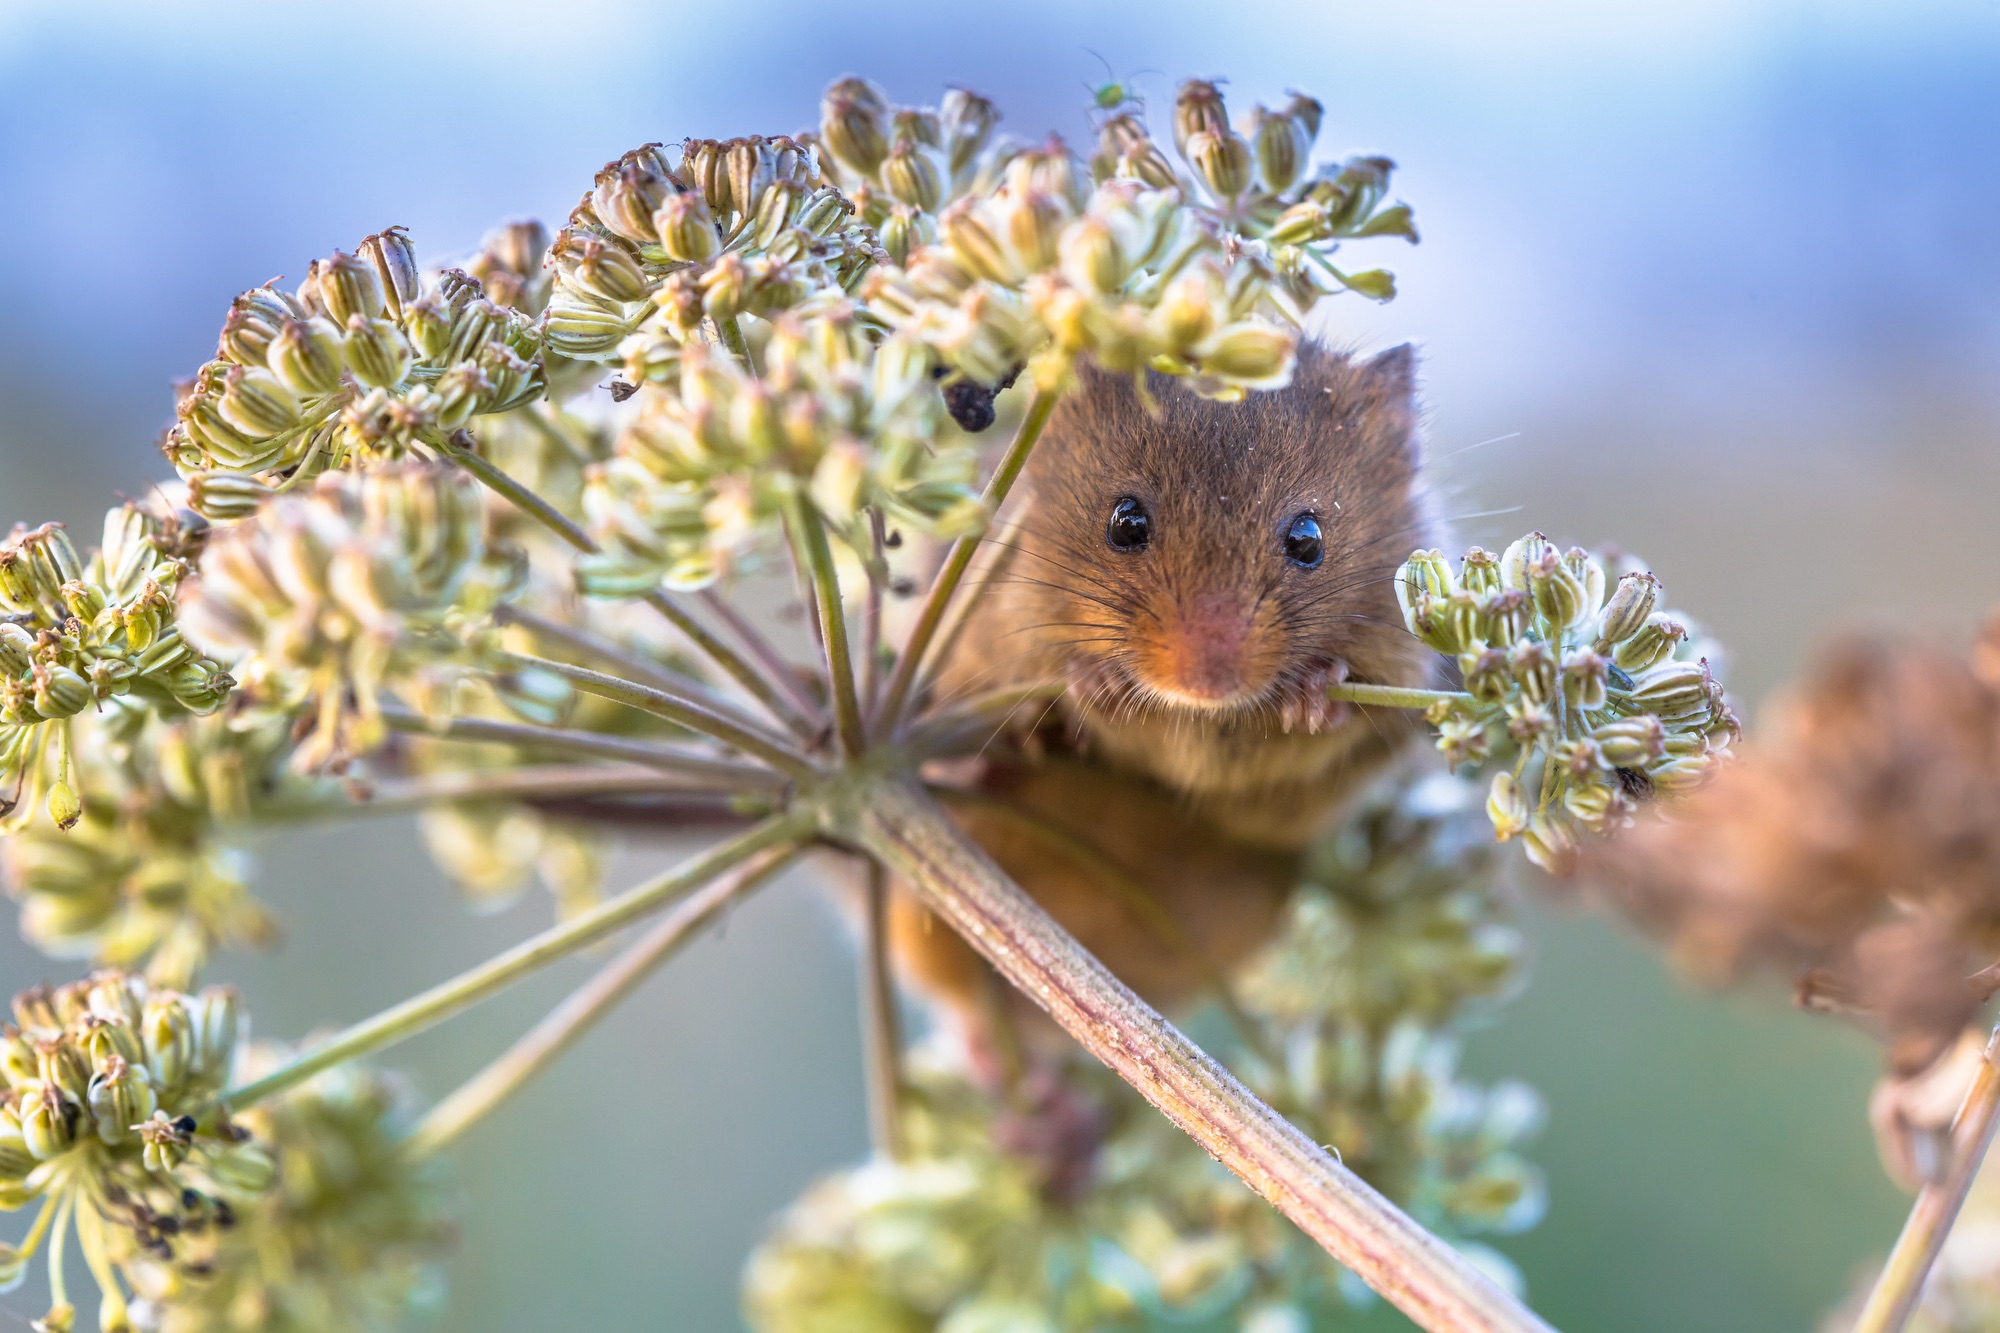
x: 1207, y: 655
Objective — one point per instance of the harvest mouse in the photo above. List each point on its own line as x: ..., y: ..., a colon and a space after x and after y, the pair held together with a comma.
x: 1194, y: 573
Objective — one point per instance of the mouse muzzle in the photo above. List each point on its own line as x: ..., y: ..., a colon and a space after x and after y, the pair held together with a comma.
x: 1212, y: 652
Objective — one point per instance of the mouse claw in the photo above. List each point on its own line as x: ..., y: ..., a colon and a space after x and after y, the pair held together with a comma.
x: 1308, y: 709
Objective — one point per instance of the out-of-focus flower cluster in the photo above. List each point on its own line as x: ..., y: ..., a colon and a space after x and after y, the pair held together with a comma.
x: 346, y: 1240
x: 105, y: 1120
x: 717, y: 453
x: 1855, y: 845
x: 149, y: 874
x: 1591, y: 703
x: 360, y: 362
x: 1064, y: 1203
x: 77, y: 637
x: 326, y: 597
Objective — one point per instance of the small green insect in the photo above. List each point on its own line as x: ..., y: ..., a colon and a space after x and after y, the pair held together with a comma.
x: 1115, y: 95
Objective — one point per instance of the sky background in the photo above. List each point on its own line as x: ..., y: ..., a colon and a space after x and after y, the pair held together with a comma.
x: 1718, y: 282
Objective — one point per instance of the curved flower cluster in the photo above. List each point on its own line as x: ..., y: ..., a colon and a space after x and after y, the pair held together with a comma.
x: 346, y: 1241
x: 327, y: 597
x: 1596, y: 703
x: 76, y: 637
x: 1140, y: 272
x: 104, y: 1119
x: 147, y: 876
x: 731, y: 228
x: 1065, y: 1204
x: 713, y: 458
x: 360, y: 362
x: 900, y: 166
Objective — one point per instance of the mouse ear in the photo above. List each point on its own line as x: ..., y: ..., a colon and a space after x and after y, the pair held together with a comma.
x: 1393, y: 374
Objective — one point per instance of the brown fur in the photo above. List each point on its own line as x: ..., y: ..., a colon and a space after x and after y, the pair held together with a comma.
x: 1195, y: 750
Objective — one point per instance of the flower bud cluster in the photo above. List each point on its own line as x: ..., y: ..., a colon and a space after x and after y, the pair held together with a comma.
x: 1066, y: 1204
x: 712, y: 457
x: 105, y: 1095
x: 902, y: 166
x: 1592, y: 702
x: 148, y: 875
x: 327, y: 597
x: 362, y: 360
x: 75, y: 636
x: 658, y: 246
x: 348, y: 1237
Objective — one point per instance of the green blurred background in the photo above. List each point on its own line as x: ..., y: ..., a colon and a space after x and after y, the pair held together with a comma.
x: 1716, y: 281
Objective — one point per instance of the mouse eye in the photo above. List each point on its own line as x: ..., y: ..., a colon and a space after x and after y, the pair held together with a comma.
x: 1131, y: 527
x: 1304, y: 543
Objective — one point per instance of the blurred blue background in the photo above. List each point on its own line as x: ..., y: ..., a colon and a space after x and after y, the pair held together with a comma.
x: 1717, y: 281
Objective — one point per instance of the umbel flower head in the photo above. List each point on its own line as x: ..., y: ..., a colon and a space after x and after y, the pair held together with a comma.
x: 716, y: 452
x: 347, y: 1240
x: 77, y: 637
x: 106, y: 1123
x: 149, y: 874
x: 1591, y: 703
x: 364, y: 359
x: 327, y: 596
x: 1856, y: 846
x: 1065, y: 1204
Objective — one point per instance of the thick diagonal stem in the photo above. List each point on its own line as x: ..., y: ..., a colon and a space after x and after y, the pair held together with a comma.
x: 1392, y: 696
x: 817, y: 558
x: 1420, y: 1274
x: 1901, y: 1285
x: 666, y: 758
x: 399, y: 796
x: 545, y: 1043
x: 673, y: 708
x: 440, y: 1002
x: 957, y: 559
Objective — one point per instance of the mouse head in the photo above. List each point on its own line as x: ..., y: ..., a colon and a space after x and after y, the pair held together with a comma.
x: 1224, y: 558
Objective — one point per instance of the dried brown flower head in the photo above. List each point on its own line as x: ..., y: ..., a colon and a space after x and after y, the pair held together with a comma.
x: 1857, y: 845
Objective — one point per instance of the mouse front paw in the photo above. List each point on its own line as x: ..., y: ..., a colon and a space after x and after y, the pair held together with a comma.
x: 1305, y: 706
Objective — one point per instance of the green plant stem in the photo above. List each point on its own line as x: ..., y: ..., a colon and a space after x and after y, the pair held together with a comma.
x: 775, y: 667
x: 938, y: 600
x: 672, y: 708
x: 631, y: 665
x: 816, y: 557
x: 403, y: 795
x: 1393, y: 696
x: 731, y: 331
x: 659, y: 755
x: 1900, y: 1288
x: 462, y: 449
x: 871, y: 619
x: 881, y: 1033
x: 1425, y: 1278
x: 489, y: 978
x: 545, y: 1043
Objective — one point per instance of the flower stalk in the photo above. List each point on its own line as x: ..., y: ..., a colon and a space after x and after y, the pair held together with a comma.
x: 1900, y: 1288
x: 425, y: 1011
x: 569, y: 1021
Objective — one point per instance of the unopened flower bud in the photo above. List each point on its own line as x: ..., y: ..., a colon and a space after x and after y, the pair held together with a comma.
x: 607, y: 271
x: 751, y: 168
x: 428, y: 322
x: 48, y: 1121
x: 687, y: 229
x: 1487, y: 674
x: 395, y: 263
x: 1625, y: 614
x: 348, y: 288
x: 253, y: 319
x: 257, y: 403
x: 1514, y: 561
x: 1251, y: 353
x: 1534, y: 669
x: 1503, y: 617
x: 851, y: 125
x: 975, y: 247
x: 1480, y: 571
x: 1198, y: 109
x: 1653, y: 643
x: 1223, y: 162
x: 776, y: 208
x: 165, y: 1139
x: 911, y: 177
x: 1672, y: 689
x: 15, y: 646
x: 1506, y: 806
x: 1584, y: 676
x: 306, y: 356
x: 1550, y: 844
x: 966, y: 121
x: 631, y: 190
x: 243, y: 1168
x: 377, y: 352
x: 1632, y: 742
x: 226, y: 497
x: 1091, y: 257
x: 59, y: 691
x: 218, y: 1014
x: 1557, y: 592
x: 167, y: 1030
x: 1282, y: 145
x: 121, y: 1096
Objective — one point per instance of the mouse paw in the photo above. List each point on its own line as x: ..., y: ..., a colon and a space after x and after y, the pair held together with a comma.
x: 1306, y: 707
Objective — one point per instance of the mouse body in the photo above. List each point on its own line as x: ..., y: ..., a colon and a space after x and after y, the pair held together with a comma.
x: 1194, y: 573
